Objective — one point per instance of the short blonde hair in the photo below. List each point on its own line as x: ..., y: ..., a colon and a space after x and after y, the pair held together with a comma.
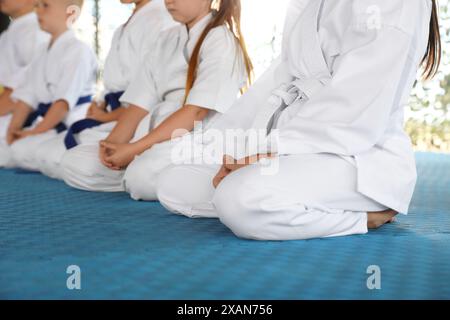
x: 78, y: 3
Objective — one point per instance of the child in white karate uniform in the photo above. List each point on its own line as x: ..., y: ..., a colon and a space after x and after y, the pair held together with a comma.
x: 59, y: 87
x: 130, y: 45
x: 194, y: 74
x: 335, y: 159
x: 19, y: 44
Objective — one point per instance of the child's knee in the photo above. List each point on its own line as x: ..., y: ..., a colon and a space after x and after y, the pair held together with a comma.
x: 21, y: 150
x: 172, y: 188
x: 236, y: 206
x: 42, y: 153
x: 6, y: 160
x: 79, y: 161
x: 139, y: 181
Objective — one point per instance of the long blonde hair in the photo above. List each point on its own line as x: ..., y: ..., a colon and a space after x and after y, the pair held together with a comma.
x: 228, y: 12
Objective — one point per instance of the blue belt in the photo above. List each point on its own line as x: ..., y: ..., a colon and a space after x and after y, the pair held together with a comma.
x: 43, y: 108
x: 112, y: 100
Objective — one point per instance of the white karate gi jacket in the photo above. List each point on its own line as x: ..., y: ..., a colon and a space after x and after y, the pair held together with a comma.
x: 65, y: 71
x: 19, y: 44
x: 132, y: 43
x: 352, y: 64
x: 160, y: 86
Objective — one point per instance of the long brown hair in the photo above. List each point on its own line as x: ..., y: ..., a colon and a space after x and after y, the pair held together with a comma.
x: 432, y: 58
x: 227, y: 12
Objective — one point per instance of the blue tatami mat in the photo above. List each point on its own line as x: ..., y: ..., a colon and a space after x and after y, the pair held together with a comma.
x: 136, y: 250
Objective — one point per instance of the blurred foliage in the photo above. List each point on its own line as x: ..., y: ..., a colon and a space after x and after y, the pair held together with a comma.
x: 429, y: 137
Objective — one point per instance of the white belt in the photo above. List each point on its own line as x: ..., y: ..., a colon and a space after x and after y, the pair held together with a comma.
x: 285, y: 96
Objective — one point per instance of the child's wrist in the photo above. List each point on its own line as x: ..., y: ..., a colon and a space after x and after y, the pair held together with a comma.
x: 140, y: 147
x: 38, y: 130
x: 14, y: 128
x: 103, y: 117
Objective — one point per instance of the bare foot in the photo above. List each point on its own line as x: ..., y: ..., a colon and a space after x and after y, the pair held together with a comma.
x: 377, y: 219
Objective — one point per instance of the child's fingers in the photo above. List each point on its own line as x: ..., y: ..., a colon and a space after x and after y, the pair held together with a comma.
x: 112, y: 162
x: 217, y: 180
x: 110, y: 159
x: 223, y: 171
x: 222, y: 174
x: 234, y: 166
x: 108, y: 145
x: 110, y: 165
x: 227, y: 159
x: 229, y: 163
x: 10, y: 139
x: 19, y: 135
x: 103, y: 160
x: 93, y: 105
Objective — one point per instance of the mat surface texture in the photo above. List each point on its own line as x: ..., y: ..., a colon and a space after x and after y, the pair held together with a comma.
x: 137, y: 250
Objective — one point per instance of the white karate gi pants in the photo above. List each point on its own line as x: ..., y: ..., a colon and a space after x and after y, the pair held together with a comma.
x: 82, y: 169
x: 310, y: 196
x: 24, y: 152
x: 5, y: 150
x: 50, y: 153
